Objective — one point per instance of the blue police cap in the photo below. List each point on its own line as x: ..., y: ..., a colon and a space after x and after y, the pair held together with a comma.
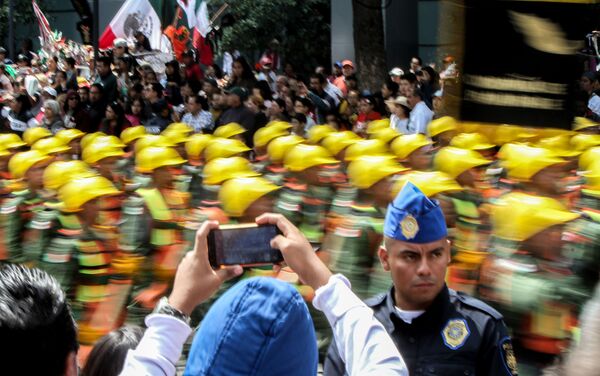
x: 414, y: 218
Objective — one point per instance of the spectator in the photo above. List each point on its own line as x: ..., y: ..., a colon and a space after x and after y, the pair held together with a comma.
x: 84, y: 96
x: 114, y: 122
x: 400, y: 111
x: 107, y: 79
x: 395, y: 74
x: 75, y: 114
x: 142, y: 43
x: 52, y: 116
x: 97, y: 107
x: 589, y: 83
x: 439, y: 106
x: 415, y: 64
x: 266, y: 74
x: 72, y: 73
x: 256, y: 104
x: 298, y: 122
x: 60, y: 82
x: 124, y: 75
x: 277, y: 111
x: 389, y: 91
x: 322, y: 101
x: 173, y: 83
x: 210, y: 87
x: 238, y: 113
x: 262, y: 89
x: 193, y: 72
x: 241, y: 75
x: 367, y: 111
x: 5, y: 82
x: 302, y: 107
x: 197, y: 116
x: 160, y: 117
x: 135, y: 112
x: 420, y: 114
x: 108, y: 355
x: 352, y: 82
x: 408, y: 82
x: 283, y: 86
x: 19, y: 114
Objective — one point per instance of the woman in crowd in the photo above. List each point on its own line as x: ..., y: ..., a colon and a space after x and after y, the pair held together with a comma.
x: 115, y: 121
x: 135, y: 112
x: 19, y: 114
x: 52, y: 116
x: 242, y: 75
x: 75, y: 114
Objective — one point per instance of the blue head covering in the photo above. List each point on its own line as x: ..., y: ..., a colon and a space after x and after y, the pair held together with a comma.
x: 414, y: 218
x: 260, y: 326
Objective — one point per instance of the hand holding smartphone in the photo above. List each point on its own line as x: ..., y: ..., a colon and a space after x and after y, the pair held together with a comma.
x: 245, y: 244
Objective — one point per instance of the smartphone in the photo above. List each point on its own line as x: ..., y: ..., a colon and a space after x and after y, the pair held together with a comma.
x: 246, y: 244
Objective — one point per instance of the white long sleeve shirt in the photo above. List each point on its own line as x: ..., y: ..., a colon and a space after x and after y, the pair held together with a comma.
x: 420, y: 117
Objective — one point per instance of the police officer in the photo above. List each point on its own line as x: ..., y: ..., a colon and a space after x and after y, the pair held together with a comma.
x: 438, y: 331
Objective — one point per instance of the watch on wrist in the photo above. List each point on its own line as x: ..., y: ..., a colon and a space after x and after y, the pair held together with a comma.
x: 163, y: 307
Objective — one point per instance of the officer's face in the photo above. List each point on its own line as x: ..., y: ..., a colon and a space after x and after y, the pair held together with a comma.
x: 35, y: 175
x: 550, y: 180
x: 420, y: 159
x: 261, y: 206
x: 418, y: 270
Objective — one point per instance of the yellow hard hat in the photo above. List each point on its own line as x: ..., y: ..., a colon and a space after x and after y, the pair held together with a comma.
x: 338, y: 141
x: 98, y: 151
x: 50, y: 145
x: 133, y: 133
x: 366, y: 147
x: 89, y: 138
x: 223, y: 148
x: 454, y: 161
x: 441, y: 125
x: 31, y: 135
x: 11, y: 141
x: 196, y: 145
x: 280, y: 146
x: 264, y: 135
x: 4, y: 152
x: 592, y: 179
x: 430, y: 183
x: 279, y: 124
x: 304, y: 156
x: 175, y: 136
x: 377, y: 125
x: 74, y: 194
x: 588, y: 157
x: 153, y: 157
x: 471, y: 141
x: 559, y: 145
x: 581, y: 123
x: 582, y: 141
x: 367, y: 170
x: 152, y: 140
x: 113, y: 141
x: 221, y: 169
x: 505, y: 134
x: 236, y: 195
x: 60, y: 173
x: 386, y: 135
x: 21, y: 162
x: 523, y: 161
x: 181, y: 128
x: 518, y: 216
x: 229, y: 130
x: 68, y: 135
x: 317, y: 132
x: 406, y: 144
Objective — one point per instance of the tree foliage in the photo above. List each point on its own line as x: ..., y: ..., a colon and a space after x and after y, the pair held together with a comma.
x: 23, y: 14
x: 301, y: 26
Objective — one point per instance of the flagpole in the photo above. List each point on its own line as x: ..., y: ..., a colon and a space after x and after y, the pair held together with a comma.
x: 96, y: 31
x: 11, y: 29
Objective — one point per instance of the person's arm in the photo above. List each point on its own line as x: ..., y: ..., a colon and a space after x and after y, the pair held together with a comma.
x: 318, y: 101
x: 363, y: 344
x: 497, y: 355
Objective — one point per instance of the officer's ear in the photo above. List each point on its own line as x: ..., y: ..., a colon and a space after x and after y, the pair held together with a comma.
x: 384, y: 258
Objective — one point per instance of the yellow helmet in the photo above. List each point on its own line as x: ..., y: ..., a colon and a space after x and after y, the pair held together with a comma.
x: 68, y: 135
x: 196, y: 145
x: 153, y: 157
x: 505, y: 134
x: 60, y: 173
x: 221, y: 169
x: 338, y: 141
x: 386, y: 135
x: 522, y: 161
x: 31, y: 135
x: 113, y: 141
x: 377, y: 125
x: 317, y: 132
x: 98, y: 151
x: 304, y: 156
x: 11, y: 141
x: 181, y: 128
x: 4, y: 152
x: 560, y: 145
x: 236, y: 195
x: 223, y: 148
x: 441, y: 125
x: 592, y: 180
x: 21, y: 162
x: 581, y: 123
x: 280, y: 146
x: 175, y: 136
x: 264, y: 135
x: 588, y: 158
x: 405, y: 145
x: 89, y: 138
x: 50, y: 145
x: 133, y: 133
x: 519, y: 216
x: 471, y: 141
x: 583, y: 141
x: 430, y: 183
x: 367, y: 170
x: 365, y: 147
x: 229, y: 130
x: 454, y: 161
x: 279, y: 124
x: 74, y: 194
x: 152, y: 140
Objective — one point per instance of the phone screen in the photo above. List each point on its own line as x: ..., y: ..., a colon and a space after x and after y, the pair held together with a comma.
x: 243, y: 245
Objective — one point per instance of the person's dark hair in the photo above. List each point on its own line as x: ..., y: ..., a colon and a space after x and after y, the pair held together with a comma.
x: 194, y: 85
x: 352, y: 77
x: 145, y: 44
x: 176, y: 75
x: 301, y: 118
x: 63, y: 73
x: 108, y: 355
x: 218, y: 71
x: 246, y: 71
x: 157, y: 88
x: 265, y: 90
x: 201, y: 100
x: 320, y: 77
x: 410, y: 77
x: 72, y: 94
x: 70, y: 62
x: 98, y: 86
x: 25, y: 103
x: 435, y: 77
x: 280, y: 102
x: 142, y: 114
x: 418, y: 59
x: 138, y: 87
x: 36, y: 326
x: 106, y: 60
x: 127, y: 59
x: 305, y: 101
x: 393, y: 87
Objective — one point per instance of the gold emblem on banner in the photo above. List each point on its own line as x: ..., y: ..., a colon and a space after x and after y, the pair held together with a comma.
x: 409, y: 226
x: 455, y: 333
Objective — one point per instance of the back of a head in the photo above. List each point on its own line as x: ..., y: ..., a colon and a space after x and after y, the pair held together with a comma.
x: 108, y: 355
x: 261, y: 326
x: 37, y: 330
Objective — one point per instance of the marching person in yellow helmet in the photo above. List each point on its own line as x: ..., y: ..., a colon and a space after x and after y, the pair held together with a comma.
x: 129, y: 137
x: 231, y: 130
x: 442, y: 130
x: 32, y: 135
x: 262, y: 138
x: 274, y: 171
x: 584, y: 125
x: 71, y: 138
x: 6, y: 188
x: 194, y: 149
x: 245, y: 198
x: 225, y: 147
x: 413, y: 150
x: 54, y: 147
x: 476, y: 142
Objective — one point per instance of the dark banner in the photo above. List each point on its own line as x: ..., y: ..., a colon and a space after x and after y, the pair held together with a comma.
x: 521, y: 62
x: 85, y: 24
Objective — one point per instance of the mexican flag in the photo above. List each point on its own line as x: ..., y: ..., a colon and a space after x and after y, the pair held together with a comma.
x: 196, y: 12
x: 134, y: 15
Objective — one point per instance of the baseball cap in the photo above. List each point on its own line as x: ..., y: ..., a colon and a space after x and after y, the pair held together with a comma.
x: 347, y: 62
x: 396, y: 72
x: 51, y: 91
x: 239, y: 91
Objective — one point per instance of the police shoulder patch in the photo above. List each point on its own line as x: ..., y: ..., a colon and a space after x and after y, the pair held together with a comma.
x: 455, y: 333
x: 508, y: 356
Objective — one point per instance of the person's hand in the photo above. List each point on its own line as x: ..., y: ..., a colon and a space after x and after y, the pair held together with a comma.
x: 196, y: 281
x: 297, y: 251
